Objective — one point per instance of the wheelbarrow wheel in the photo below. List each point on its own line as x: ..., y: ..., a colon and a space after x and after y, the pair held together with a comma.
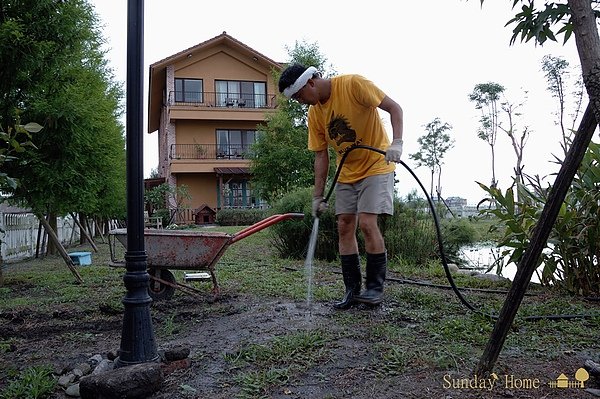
x: 159, y: 290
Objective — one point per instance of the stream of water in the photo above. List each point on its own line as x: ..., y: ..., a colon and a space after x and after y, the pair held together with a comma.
x: 308, y: 262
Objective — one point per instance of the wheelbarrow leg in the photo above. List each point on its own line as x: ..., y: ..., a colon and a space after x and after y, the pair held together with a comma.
x: 216, y: 291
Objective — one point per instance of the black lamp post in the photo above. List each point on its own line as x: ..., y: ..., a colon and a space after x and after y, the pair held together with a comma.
x: 137, y: 338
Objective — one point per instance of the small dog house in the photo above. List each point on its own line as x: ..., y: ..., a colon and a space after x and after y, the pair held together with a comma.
x: 204, y: 214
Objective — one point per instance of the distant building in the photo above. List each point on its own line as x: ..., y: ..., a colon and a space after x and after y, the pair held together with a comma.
x: 459, y: 208
x: 456, y: 202
x: 207, y: 103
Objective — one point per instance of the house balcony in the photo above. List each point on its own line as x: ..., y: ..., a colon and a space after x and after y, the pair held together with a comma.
x: 204, y: 158
x: 220, y: 106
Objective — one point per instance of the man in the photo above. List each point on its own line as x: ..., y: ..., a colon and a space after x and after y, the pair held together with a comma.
x: 343, y: 113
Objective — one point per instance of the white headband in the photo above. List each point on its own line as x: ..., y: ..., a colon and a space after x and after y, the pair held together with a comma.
x: 300, y: 82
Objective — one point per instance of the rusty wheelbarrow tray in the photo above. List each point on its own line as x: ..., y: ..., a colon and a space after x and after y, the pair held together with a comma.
x: 185, y: 250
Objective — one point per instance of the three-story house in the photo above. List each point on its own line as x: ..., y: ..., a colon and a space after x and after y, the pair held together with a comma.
x: 206, y: 103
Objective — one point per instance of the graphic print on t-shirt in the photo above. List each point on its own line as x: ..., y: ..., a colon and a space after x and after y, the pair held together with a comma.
x: 340, y: 130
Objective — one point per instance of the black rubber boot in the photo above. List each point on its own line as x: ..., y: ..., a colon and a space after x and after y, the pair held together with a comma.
x: 352, y: 280
x: 376, y: 269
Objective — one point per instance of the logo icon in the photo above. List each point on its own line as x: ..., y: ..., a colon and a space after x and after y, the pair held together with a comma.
x: 562, y: 381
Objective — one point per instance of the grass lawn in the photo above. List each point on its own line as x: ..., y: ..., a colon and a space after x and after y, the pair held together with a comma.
x: 263, y: 338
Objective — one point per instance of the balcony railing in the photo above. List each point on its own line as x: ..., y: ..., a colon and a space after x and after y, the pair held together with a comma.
x: 209, y: 151
x: 222, y: 100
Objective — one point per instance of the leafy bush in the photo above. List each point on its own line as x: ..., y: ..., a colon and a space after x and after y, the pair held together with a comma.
x: 571, y: 255
x: 291, y: 238
x: 409, y: 234
x: 457, y: 232
x: 240, y: 217
x: 575, y: 238
x: 165, y: 216
x: 160, y: 197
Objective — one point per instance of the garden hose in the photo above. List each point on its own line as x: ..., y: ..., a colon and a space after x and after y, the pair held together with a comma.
x: 438, y: 231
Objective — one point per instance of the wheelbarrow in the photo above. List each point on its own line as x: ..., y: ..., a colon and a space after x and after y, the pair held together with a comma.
x: 185, y: 250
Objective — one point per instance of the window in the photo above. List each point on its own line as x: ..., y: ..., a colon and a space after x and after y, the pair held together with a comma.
x: 236, y: 197
x: 238, y: 193
x: 232, y: 93
x: 188, y: 90
x: 234, y: 143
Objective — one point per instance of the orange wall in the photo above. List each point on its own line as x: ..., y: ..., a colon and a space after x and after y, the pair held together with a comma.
x: 201, y: 187
x: 204, y: 132
x: 222, y: 63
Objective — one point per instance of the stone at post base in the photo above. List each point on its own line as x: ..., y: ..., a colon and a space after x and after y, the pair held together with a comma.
x: 131, y: 382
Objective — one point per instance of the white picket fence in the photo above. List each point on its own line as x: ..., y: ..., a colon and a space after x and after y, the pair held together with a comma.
x: 19, y: 231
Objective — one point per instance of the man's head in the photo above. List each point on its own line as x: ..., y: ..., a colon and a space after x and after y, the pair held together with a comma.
x: 294, y: 80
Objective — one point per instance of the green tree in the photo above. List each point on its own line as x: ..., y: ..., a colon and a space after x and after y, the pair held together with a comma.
x: 163, y: 197
x: 284, y: 136
x: 538, y: 23
x: 63, y: 81
x: 37, y: 37
x: 13, y: 143
x: 433, y: 147
x: 518, y: 136
x: 558, y: 76
x: 541, y: 23
x: 486, y: 97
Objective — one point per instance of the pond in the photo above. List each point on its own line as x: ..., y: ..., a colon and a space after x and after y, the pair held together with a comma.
x: 484, y: 257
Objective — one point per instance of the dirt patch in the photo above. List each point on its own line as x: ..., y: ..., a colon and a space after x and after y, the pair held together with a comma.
x: 350, y: 369
x: 263, y: 342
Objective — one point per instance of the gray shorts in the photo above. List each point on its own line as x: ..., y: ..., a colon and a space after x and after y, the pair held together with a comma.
x: 373, y: 194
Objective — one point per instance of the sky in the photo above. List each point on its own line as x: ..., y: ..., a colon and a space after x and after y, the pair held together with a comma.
x: 426, y: 55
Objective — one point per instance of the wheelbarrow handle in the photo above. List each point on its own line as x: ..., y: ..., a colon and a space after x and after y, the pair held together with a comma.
x: 263, y: 224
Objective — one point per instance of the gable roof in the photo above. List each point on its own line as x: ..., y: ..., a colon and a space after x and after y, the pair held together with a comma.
x: 157, y: 71
x: 204, y: 207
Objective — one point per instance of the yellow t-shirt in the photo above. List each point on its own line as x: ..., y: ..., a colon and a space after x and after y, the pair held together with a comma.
x: 350, y: 117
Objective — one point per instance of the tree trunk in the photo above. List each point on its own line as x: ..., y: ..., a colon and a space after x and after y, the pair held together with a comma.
x: 83, y: 234
x: 100, y: 228
x: 494, y: 182
x: 38, y: 242
x: 431, y: 188
x: 84, y: 231
x: 89, y: 229
x: 588, y: 48
x: 439, y: 183
x: 52, y: 222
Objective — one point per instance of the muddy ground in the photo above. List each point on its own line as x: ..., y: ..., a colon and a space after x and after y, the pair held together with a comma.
x: 350, y: 367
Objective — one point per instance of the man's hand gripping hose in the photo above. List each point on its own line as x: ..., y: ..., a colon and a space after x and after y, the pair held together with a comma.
x: 394, y: 151
x: 319, y: 205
